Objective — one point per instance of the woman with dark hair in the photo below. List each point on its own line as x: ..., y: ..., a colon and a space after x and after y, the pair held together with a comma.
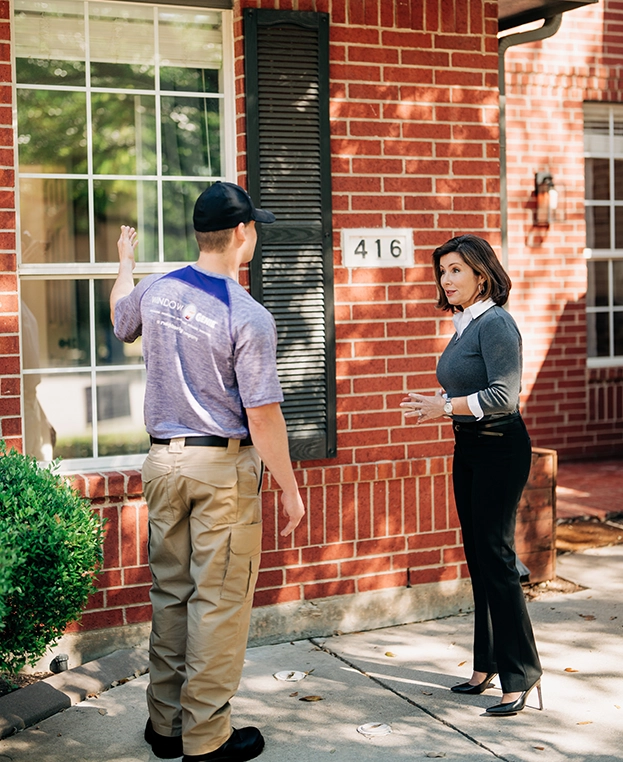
x: 480, y: 371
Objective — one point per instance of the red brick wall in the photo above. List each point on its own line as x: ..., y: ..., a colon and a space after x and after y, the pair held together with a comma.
x: 10, y: 423
x: 567, y: 407
x: 414, y: 110
x: 414, y: 144
x: 123, y: 595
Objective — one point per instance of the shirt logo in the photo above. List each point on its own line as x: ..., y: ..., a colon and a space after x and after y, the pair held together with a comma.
x: 189, y: 312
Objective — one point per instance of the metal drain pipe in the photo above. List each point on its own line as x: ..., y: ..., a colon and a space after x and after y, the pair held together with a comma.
x: 549, y: 29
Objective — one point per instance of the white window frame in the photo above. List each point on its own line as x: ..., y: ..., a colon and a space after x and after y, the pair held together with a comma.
x: 105, y: 270
x: 609, y: 255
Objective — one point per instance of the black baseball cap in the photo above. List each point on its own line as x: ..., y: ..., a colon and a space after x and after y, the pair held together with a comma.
x: 225, y: 205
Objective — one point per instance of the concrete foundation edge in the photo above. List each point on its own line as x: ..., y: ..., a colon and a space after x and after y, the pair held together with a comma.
x: 295, y: 620
x: 355, y: 613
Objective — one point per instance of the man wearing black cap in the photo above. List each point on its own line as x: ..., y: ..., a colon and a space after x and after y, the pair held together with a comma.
x: 212, y: 411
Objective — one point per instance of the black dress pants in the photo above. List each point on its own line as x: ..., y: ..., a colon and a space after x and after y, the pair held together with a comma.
x: 490, y: 469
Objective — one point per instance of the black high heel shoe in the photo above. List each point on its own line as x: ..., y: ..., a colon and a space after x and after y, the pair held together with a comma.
x: 512, y: 707
x: 474, y: 689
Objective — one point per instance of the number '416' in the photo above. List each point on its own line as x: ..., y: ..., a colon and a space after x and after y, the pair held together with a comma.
x: 395, y: 248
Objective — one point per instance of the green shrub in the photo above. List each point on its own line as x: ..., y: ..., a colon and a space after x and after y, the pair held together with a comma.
x: 51, y: 541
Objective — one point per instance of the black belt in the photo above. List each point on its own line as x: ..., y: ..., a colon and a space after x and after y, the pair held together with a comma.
x: 492, y: 423
x: 207, y: 441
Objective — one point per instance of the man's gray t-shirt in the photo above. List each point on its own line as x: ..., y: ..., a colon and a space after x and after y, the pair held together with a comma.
x: 209, y: 348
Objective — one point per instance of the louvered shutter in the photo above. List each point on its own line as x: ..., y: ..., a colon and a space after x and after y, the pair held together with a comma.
x: 289, y: 172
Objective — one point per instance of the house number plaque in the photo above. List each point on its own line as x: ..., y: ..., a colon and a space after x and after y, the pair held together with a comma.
x: 377, y: 247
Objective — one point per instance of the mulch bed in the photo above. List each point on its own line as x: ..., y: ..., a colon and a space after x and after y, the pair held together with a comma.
x: 582, y: 534
x: 9, y: 684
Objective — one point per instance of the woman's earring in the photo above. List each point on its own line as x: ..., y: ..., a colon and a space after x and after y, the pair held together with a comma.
x: 482, y: 289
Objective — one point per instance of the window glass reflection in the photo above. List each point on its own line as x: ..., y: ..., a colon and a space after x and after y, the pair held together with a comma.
x: 122, y: 76
x: 121, y: 426
x: 54, y: 220
x: 125, y: 202
x: 124, y: 134
x: 618, y: 333
x: 109, y: 350
x: 44, y: 71
x: 55, y: 416
x: 183, y: 79
x: 617, y: 282
x: 56, y: 323
x: 598, y: 227
x: 618, y: 227
x: 51, y: 131
x: 601, y: 346
x: 50, y: 42
x: 597, y: 179
x: 191, y: 138
x: 597, y: 292
x: 121, y: 45
x: 190, y: 38
x: 178, y: 201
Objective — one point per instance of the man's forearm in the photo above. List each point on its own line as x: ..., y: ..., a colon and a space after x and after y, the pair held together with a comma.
x: 123, y: 286
x: 270, y: 438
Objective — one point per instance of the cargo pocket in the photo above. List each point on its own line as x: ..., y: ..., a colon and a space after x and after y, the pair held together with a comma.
x: 152, y: 471
x: 214, y: 487
x: 245, y: 544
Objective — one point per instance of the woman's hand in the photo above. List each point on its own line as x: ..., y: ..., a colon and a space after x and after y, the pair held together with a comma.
x: 423, y: 408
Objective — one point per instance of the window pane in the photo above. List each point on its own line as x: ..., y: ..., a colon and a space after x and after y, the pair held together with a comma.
x: 597, y: 292
x: 109, y: 350
x: 617, y: 142
x: 189, y: 80
x: 54, y: 220
x: 51, y: 131
x: 597, y: 179
x: 618, y: 334
x: 121, y: 39
x: 618, y: 227
x: 618, y: 179
x: 191, y: 141
x: 124, y: 134
x: 598, y: 334
x: 192, y: 39
x: 43, y: 71
x: 121, y: 427
x: 617, y: 285
x: 598, y: 227
x: 50, y: 42
x: 56, y: 416
x: 55, y: 315
x: 178, y: 202
x: 125, y: 202
x: 596, y: 128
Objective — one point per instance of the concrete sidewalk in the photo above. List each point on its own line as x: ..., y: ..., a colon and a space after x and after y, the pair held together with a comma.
x: 400, y: 676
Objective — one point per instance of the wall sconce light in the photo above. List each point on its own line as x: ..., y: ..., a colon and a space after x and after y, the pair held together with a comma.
x: 546, y: 199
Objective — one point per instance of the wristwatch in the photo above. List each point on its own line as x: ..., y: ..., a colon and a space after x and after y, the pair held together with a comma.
x: 447, y: 408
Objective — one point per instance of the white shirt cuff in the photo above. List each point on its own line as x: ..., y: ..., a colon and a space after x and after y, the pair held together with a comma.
x: 473, y: 403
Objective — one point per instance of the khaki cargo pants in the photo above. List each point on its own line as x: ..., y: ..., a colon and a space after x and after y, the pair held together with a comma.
x: 205, y: 536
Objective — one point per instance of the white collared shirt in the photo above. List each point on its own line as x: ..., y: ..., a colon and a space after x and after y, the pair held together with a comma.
x: 461, y: 320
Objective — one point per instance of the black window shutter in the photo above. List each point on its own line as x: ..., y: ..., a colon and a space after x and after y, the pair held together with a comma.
x: 289, y: 172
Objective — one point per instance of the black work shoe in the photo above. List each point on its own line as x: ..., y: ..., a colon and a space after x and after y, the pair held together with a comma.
x: 165, y: 747
x: 243, y: 744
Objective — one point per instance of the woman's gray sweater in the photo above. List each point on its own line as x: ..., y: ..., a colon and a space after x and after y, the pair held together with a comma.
x: 487, y: 360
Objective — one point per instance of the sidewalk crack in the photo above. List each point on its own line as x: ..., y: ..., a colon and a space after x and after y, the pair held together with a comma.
x: 382, y: 684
